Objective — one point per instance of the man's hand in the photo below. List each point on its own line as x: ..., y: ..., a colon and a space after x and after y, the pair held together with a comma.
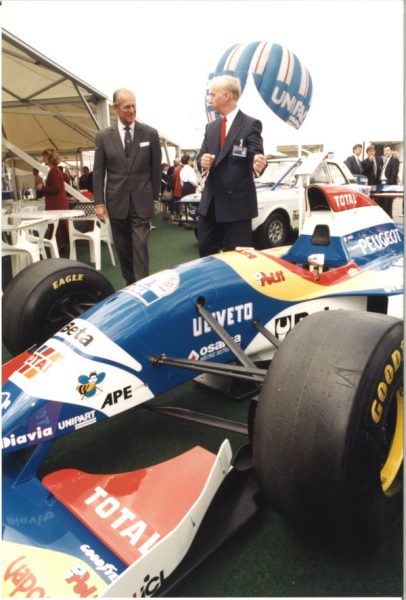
x: 259, y: 163
x: 206, y: 161
x: 101, y: 212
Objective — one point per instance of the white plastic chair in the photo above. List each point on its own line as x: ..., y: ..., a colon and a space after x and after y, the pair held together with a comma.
x: 97, y: 233
x: 14, y: 243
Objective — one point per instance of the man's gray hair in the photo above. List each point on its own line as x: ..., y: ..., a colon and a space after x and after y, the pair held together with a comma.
x: 227, y: 83
x: 120, y: 91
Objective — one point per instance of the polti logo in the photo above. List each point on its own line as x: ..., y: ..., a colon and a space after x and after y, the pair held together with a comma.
x: 40, y: 361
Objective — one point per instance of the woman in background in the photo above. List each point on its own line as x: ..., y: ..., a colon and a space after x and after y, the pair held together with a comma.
x: 54, y: 192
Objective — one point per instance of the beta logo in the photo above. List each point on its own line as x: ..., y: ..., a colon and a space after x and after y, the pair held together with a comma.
x: 79, y: 334
x: 40, y: 361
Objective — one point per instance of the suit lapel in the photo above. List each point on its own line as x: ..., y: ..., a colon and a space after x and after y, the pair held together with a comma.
x: 115, y: 136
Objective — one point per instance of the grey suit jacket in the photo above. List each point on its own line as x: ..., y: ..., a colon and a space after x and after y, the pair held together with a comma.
x: 118, y: 180
x: 230, y: 182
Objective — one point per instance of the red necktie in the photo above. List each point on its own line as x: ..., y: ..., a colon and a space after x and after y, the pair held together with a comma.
x: 223, y: 131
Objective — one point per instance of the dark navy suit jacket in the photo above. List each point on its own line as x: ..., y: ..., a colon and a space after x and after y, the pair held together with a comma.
x: 354, y: 166
x: 230, y: 181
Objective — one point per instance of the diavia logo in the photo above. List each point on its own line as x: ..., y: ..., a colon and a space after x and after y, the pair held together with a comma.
x: 79, y: 334
x: 89, y: 384
x: 40, y: 361
x: 25, y: 438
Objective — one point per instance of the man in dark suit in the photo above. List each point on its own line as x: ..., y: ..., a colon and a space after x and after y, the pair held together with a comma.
x: 390, y: 167
x: 129, y: 153
x: 388, y: 176
x: 372, y: 166
x: 232, y: 150
x: 353, y: 162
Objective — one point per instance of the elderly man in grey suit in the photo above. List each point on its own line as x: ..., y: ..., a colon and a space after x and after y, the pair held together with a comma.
x: 126, y: 182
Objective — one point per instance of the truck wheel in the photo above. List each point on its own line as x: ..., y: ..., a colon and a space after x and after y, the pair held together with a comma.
x: 328, y: 433
x: 274, y: 232
x: 45, y: 296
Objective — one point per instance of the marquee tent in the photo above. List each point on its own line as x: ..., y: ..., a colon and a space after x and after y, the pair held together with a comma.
x: 44, y: 105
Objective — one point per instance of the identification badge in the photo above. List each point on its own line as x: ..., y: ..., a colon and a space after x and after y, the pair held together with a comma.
x: 240, y: 150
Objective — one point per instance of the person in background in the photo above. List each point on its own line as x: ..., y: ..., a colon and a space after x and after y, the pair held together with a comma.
x: 126, y: 183
x: 171, y: 184
x: 232, y: 150
x: 371, y: 166
x: 83, y: 179
x: 39, y: 184
x: 176, y: 194
x: 54, y: 192
x: 354, y: 162
x: 390, y: 167
x: 389, y: 175
x: 188, y: 176
x: 165, y: 194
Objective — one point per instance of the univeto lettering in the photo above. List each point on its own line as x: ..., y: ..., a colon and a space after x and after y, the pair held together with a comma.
x: 229, y: 316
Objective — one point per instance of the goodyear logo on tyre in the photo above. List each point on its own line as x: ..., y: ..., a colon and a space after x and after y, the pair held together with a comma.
x: 384, y: 387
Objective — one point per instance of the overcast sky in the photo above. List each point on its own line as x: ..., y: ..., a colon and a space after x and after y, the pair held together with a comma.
x: 164, y: 51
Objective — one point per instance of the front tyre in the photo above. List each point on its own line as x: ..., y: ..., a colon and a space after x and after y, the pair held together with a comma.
x: 45, y: 296
x: 328, y: 434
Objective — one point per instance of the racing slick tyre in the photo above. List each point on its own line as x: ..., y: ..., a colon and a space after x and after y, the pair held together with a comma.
x: 274, y: 232
x: 328, y: 433
x: 45, y: 296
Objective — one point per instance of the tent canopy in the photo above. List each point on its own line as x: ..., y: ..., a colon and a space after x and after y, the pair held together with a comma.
x: 44, y: 105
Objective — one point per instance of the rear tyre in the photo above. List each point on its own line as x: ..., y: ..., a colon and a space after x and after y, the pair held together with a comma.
x: 45, y: 296
x: 274, y: 232
x: 328, y: 433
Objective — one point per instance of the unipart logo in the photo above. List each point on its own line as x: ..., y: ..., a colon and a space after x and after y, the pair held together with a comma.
x: 226, y: 317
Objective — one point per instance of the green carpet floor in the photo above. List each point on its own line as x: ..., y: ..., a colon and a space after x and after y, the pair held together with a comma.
x: 267, y: 557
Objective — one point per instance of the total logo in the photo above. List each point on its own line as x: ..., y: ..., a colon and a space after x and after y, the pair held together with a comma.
x: 212, y: 350
x: 40, y: 361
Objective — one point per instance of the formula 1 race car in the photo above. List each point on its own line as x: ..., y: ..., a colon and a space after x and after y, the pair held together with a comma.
x: 313, y: 333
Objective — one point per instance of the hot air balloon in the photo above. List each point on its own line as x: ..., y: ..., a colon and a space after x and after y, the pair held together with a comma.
x: 282, y: 81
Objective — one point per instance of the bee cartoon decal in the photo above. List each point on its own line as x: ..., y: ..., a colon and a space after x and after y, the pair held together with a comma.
x: 88, y: 384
